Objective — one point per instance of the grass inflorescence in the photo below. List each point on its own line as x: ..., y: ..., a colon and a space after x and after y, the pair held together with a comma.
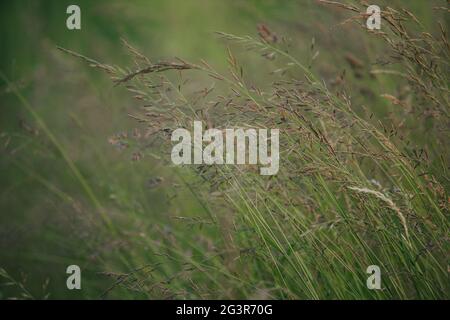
x: 352, y: 191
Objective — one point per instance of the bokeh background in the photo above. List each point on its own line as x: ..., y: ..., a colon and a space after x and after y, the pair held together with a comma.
x: 48, y: 219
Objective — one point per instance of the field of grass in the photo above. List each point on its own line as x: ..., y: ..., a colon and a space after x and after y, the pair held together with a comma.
x: 85, y: 169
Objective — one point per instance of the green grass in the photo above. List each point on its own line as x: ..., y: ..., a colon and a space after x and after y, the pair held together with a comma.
x: 362, y: 181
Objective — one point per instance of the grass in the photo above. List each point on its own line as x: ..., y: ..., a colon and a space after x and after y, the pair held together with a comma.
x: 363, y: 178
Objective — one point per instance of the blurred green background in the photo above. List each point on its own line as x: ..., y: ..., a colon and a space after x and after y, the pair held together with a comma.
x: 47, y: 221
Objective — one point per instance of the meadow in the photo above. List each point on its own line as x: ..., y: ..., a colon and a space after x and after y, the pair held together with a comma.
x: 85, y: 142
